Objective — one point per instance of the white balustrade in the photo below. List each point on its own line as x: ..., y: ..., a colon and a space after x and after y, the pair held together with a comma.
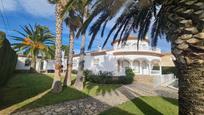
x: 134, y: 48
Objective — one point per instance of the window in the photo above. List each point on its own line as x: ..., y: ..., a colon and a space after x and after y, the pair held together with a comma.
x: 27, y: 62
x: 96, y: 61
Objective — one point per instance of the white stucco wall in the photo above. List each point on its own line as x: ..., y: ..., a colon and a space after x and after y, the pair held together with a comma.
x: 21, y: 64
x: 105, y: 60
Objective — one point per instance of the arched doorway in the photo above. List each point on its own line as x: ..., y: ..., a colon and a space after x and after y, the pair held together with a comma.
x: 123, y: 64
x: 145, y: 67
x: 136, y: 67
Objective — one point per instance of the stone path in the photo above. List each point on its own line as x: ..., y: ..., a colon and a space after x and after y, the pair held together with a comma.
x: 87, y: 106
x: 97, y: 104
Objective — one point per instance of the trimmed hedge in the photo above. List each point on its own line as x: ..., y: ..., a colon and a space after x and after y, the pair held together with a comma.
x: 169, y: 70
x: 8, y: 59
x: 108, y: 78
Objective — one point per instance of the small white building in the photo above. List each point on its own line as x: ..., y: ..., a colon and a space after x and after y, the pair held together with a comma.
x: 144, y: 60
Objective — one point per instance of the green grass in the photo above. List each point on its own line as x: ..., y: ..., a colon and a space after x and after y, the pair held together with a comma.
x: 33, y: 90
x: 146, y: 106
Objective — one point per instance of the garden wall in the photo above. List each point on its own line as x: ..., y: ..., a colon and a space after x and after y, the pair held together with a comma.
x: 8, y: 59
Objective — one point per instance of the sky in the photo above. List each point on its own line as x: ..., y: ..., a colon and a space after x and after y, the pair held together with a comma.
x: 16, y: 13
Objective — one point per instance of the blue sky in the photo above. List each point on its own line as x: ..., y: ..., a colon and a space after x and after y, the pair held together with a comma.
x: 15, y: 13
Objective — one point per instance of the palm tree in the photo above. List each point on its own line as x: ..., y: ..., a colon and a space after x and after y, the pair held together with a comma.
x: 59, y: 11
x: 180, y: 21
x: 73, y: 21
x: 34, y: 41
x: 80, y: 74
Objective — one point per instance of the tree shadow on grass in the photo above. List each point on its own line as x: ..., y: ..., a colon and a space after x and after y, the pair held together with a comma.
x: 102, y: 89
x: 23, y: 86
x: 145, y: 108
x: 50, y: 98
x: 171, y: 100
x: 169, y: 96
x: 139, y: 103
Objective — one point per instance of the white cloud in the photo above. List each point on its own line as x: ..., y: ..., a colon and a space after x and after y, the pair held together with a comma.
x: 38, y: 7
x: 8, y: 5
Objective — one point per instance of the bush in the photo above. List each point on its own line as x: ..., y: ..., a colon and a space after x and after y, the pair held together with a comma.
x: 169, y: 70
x: 108, y: 78
x: 129, y: 75
x: 8, y: 59
x: 74, y: 71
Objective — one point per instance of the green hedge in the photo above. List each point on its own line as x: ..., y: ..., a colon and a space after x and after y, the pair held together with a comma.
x: 8, y: 59
x: 169, y: 70
x: 108, y: 78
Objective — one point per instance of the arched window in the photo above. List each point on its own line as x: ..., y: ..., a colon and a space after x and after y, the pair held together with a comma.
x: 125, y: 64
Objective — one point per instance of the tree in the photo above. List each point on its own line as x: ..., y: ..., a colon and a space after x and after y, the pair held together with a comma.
x: 180, y: 21
x: 59, y: 8
x: 80, y: 74
x: 73, y: 22
x: 34, y: 41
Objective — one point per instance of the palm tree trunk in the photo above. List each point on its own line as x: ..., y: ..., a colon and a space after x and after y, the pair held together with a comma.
x: 188, y: 48
x: 57, y: 86
x: 33, y: 64
x: 67, y: 80
x: 80, y: 74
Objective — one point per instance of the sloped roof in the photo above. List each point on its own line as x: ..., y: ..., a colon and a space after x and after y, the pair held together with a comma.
x: 167, y: 60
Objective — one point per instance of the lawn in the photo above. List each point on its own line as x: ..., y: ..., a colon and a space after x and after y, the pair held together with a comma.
x: 33, y: 90
x: 146, y: 106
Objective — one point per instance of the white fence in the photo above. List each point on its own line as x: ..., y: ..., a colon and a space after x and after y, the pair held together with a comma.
x: 164, y: 80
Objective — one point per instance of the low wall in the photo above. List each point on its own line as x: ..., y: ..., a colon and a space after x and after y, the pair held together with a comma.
x: 144, y: 79
x: 160, y: 80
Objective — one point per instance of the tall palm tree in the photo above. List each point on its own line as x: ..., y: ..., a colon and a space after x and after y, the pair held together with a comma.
x: 56, y: 85
x: 34, y: 41
x: 59, y: 11
x: 73, y: 22
x: 80, y: 74
x: 180, y: 21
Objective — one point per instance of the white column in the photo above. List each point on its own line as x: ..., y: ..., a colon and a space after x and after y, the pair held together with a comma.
x: 140, y: 67
x: 131, y: 65
x: 160, y: 68
x: 150, y: 69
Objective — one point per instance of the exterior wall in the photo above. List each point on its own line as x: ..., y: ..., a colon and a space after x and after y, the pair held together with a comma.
x: 115, y: 61
x: 21, y: 64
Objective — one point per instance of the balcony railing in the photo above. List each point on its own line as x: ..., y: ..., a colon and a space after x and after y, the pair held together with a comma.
x: 155, y: 72
x: 133, y: 48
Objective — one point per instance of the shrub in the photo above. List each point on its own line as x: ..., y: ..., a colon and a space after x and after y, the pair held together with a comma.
x: 169, y: 70
x: 8, y: 59
x: 108, y: 78
x: 129, y: 76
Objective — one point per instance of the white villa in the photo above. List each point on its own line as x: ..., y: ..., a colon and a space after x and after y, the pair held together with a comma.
x: 144, y: 61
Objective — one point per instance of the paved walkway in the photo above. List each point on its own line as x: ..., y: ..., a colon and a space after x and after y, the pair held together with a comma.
x: 148, y: 90
x: 97, y: 104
